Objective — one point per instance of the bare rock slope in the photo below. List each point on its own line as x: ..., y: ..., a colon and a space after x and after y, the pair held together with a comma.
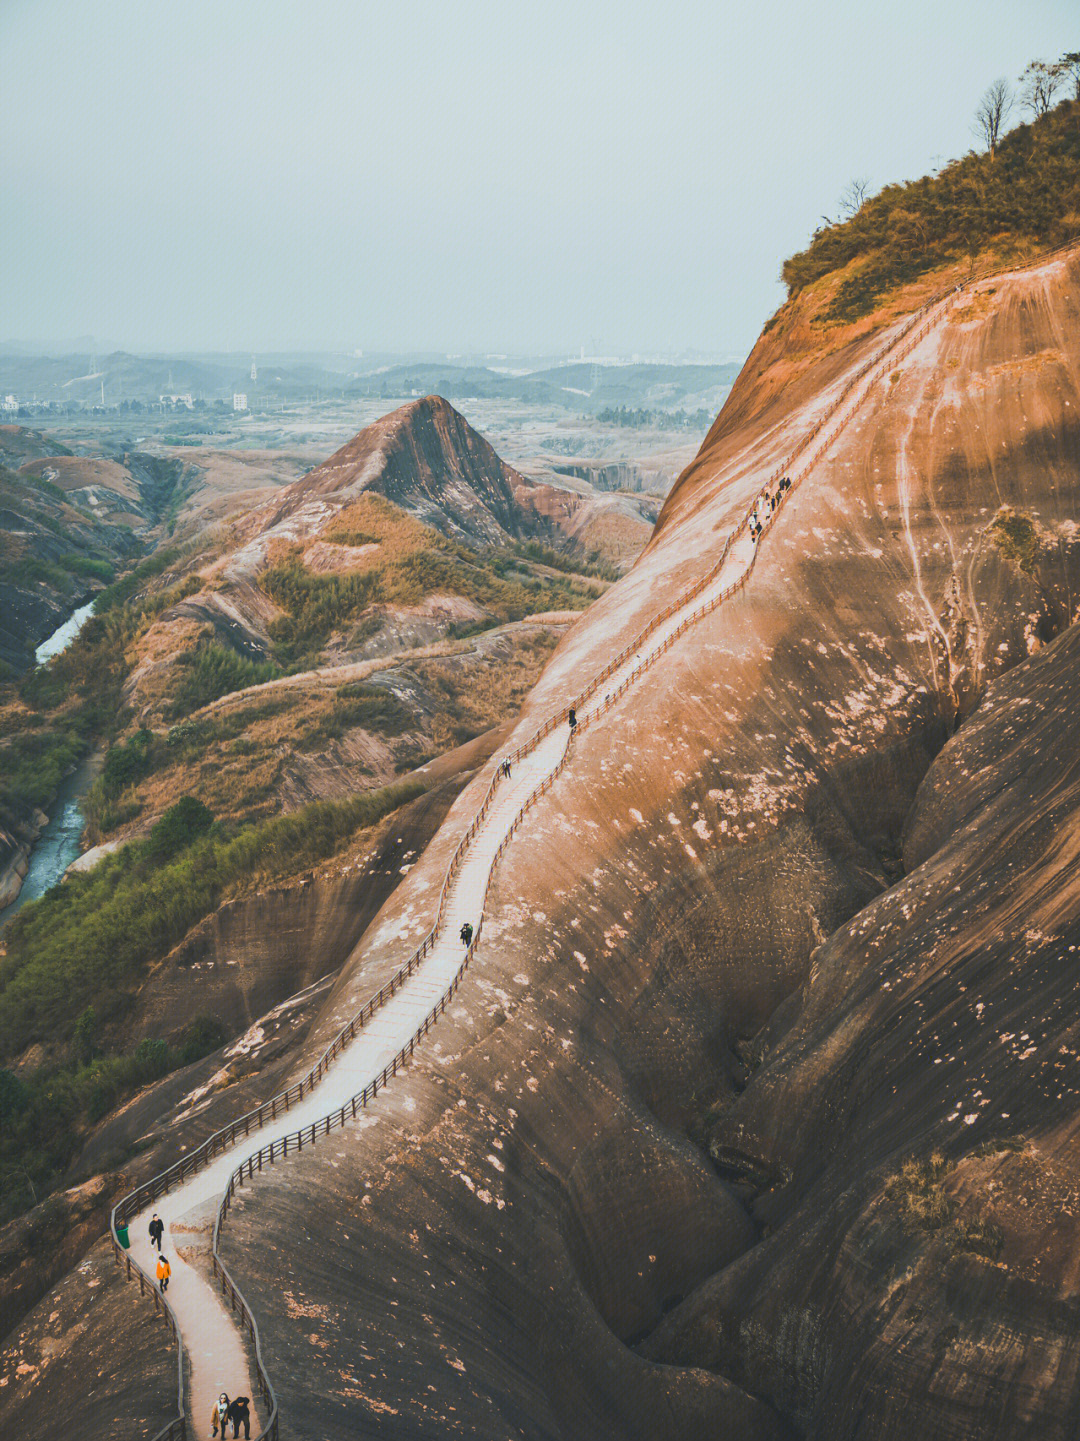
x: 562, y: 1165
x: 680, y: 1158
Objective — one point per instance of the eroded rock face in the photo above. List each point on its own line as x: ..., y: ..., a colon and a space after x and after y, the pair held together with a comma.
x: 942, y: 1018
x: 589, y: 1140
x: 89, y: 1362
x: 525, y: 1204
x: 428, y: 459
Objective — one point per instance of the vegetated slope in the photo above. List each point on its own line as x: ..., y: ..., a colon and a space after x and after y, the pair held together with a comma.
x: 1027, y: 193
x: 259, y: 716
x: 494, y: 1247
x: 54, y: 553
x: 356, y: 641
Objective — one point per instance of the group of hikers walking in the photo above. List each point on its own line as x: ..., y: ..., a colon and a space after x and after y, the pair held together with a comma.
x: 237, y: 1411
x: 765, y: 505
x: 164, y: 1270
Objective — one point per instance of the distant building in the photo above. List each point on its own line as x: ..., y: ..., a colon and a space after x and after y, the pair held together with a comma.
x: 239, y: 401
x: 254, y: 372
x: 9, y: 403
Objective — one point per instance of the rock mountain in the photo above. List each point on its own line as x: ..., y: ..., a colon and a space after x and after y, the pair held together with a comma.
x: 758, y: 1110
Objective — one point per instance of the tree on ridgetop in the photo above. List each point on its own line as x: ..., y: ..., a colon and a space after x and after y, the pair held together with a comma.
x: 993, y: 111
x: 851, y: 202
x: 1068, y: 67
x: 1040, y: 82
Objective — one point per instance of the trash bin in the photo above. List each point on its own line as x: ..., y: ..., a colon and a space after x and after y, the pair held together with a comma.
x: 122, y: 1234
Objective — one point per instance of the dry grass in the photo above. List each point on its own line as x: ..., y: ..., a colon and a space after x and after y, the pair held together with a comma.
x: 246, y: 761
x: 372, y: 518
x: 925, y: 1207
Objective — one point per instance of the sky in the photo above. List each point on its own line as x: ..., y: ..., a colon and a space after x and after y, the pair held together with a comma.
x: 526, y: 176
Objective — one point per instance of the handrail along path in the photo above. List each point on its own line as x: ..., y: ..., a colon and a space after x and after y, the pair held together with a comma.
x: 394, y: 1021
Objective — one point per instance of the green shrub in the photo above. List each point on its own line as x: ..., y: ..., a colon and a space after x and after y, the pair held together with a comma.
x: 1029, y: 193
x: 90, y: 939
x: 212, y: 671
x: 1016, y: 537
x: 129, y: 762
x: 88, y: 565
x: 918, y: 1194
x: 32, y: 765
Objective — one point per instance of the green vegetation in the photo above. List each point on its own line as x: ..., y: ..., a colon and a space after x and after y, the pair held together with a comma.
x: 31, y: 769
x: 918, y: 1193
x: 372, y: 707
x: 1016, y: 537
x: 592, y: 564
x: 125, y: 589
x: 44, y: 1118
x: 213, y: 670
x: 76, y: 956
x: 658, y: 419
x: 1024, y: 191
x: 87, y: 565
x: 91, y: 938
x: 317, y: 605
x: 71, y: 700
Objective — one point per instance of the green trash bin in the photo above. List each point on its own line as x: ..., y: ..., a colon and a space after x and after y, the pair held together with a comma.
x: 122, y: 1234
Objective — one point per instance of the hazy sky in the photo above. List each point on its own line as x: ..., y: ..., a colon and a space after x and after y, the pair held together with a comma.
x: 463, y: 175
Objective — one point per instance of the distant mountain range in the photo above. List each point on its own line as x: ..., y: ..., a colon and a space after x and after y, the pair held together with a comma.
x: 83, y: 379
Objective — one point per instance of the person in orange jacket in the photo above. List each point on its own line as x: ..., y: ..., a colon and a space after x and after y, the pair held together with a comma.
x: 164, y: 1271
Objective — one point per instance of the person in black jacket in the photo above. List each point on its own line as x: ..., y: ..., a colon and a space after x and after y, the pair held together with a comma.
x: 157, y: 1230
x: 237, y: 1412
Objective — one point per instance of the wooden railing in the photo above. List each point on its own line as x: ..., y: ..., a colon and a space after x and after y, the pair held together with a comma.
x: 796, y: 466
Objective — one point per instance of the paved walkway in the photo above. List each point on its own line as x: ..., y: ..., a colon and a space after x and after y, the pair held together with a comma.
x: 218, y: 1356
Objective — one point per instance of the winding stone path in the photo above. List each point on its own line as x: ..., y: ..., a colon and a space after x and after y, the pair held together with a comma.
x: 219, y: 1358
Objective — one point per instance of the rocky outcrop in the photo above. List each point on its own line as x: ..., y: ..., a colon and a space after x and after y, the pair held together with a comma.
x: 426, y: 458
x: 540, y: 1175
x: 666, y: 1164
x: 895, y: 1294
x: 129, y: 1387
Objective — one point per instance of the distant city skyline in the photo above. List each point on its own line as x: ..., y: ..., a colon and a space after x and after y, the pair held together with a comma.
x: 484, y: 178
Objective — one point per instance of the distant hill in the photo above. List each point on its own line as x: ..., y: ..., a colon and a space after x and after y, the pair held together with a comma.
x: 428, y: 459
x: 580, y: 387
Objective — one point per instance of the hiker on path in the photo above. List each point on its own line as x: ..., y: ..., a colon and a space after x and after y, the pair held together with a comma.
x: 466, y: 935
x: 219, y: 1415
x: 157, y: 1230
x: 164, y: 1271
x: 572, y: 718
x: 237, y: 1412
x: 506, y: 769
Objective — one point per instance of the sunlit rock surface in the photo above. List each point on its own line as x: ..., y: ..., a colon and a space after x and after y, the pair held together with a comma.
x: 636, y: 1183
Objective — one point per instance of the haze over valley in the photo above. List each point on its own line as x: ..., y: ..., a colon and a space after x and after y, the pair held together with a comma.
x: 538, y: 880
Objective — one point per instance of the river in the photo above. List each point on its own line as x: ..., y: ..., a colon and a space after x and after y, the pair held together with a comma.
x: 64, y: 634
x: 58, y: 845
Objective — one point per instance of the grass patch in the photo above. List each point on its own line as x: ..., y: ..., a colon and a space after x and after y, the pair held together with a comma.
x: 211, y: 671
x: 919, y: 1196
x: 1016, y: 537
x: 316, y: 605
x: 44, y: 1117
x: 593, y: 564
x: 358, y: 706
